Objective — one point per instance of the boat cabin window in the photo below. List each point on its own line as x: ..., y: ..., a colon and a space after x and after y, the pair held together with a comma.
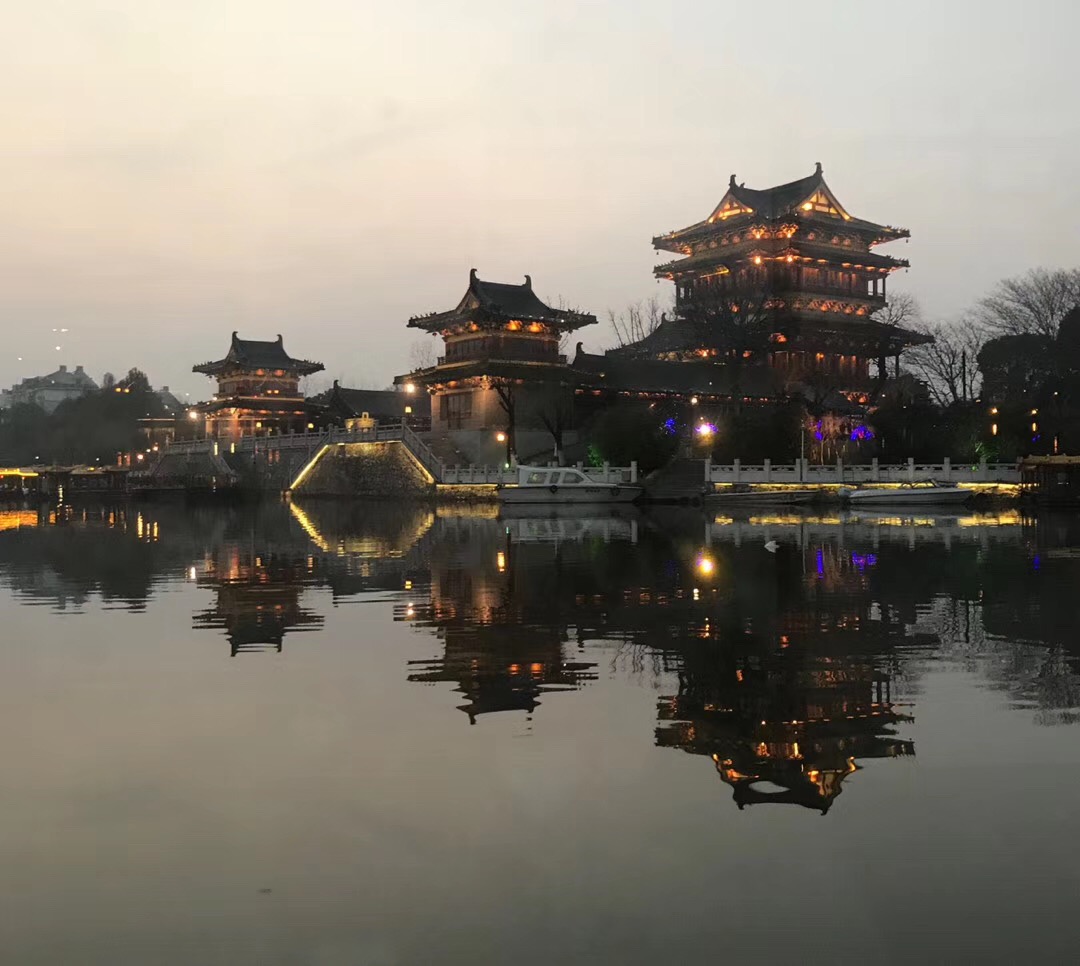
x: 572, y: 477
x: 536, y: 479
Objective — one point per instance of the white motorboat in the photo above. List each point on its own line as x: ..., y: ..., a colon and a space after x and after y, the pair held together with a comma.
x: 921, y: 493
x: 561, y: 484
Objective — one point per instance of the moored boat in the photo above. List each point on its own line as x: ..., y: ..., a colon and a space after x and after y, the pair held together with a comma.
x: 921, y: 493
x: 561, y: 484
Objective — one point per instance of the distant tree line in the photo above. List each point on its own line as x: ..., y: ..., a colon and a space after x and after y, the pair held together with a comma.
x: 93, y: 428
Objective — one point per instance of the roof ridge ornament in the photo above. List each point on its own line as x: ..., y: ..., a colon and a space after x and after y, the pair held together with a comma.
x: 731, y: 183
x: 818, y: 170
x: 528, y: 282
x: 472, y: 275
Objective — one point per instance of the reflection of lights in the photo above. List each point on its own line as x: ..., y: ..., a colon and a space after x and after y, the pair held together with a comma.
x: 410, y: 611
x: 500, y: 561
x: 408, y: 585
x: 697, y: 594
x: 706, y: 566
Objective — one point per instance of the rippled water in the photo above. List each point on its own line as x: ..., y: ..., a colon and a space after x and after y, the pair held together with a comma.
x: 380, y: 735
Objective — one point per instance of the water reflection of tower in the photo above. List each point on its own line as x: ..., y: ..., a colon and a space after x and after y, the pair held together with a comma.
x: 796, y: 720
x: 258, y: 596
x: 497, y: 606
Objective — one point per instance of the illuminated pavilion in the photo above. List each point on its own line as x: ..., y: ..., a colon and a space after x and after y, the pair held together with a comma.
x: 258, y: 391
x: 775, y: 291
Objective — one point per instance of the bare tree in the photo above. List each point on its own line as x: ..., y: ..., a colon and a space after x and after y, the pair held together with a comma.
x: 556, y: 412
x: 1032, y: 303
x: 563, y: 305
x: 902, y: 311
x: 506, y: 389
x: 638, y: 320
x: 422, y: 353
x: 948, y: 364
x: 737, y: 326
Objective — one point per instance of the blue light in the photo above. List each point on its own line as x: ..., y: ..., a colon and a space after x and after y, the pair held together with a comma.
x: 819, y: 559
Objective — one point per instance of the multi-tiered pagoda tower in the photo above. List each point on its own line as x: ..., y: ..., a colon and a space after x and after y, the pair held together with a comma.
x: 796, y: 258
x: 258, y: 390
x: 497, y: 335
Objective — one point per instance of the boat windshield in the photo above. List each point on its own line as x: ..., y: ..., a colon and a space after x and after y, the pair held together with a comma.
x: 536, y: 478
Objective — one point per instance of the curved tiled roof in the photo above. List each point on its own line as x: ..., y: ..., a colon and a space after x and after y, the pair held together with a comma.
x: 502, y: 301
x: 253, y: 354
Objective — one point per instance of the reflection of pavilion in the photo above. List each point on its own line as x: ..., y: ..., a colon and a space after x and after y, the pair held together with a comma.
x: 797, y: 721
x: 498, y: 607
x: 258, y: 597
x: 500, y: 667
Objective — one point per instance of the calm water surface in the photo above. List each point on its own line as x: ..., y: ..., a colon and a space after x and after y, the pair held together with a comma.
x: 379, y: 735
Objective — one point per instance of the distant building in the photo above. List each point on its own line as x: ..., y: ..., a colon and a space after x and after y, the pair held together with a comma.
x: 499, y: 338
x: 347, y: 406
x: 172, y: 405
x: 48, y: 392
x: 258, y: 391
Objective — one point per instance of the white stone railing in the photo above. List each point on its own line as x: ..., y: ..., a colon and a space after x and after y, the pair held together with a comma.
x: 874, y: 472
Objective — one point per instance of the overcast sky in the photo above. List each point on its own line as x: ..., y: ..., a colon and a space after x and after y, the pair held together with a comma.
x: 172, y: 171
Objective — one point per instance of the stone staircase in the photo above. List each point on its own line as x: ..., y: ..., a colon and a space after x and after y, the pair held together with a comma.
x: 681, y: 481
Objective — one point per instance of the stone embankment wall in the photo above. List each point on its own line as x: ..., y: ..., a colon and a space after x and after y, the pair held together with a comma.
x: 190, y: 469
x: 386, y: 470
